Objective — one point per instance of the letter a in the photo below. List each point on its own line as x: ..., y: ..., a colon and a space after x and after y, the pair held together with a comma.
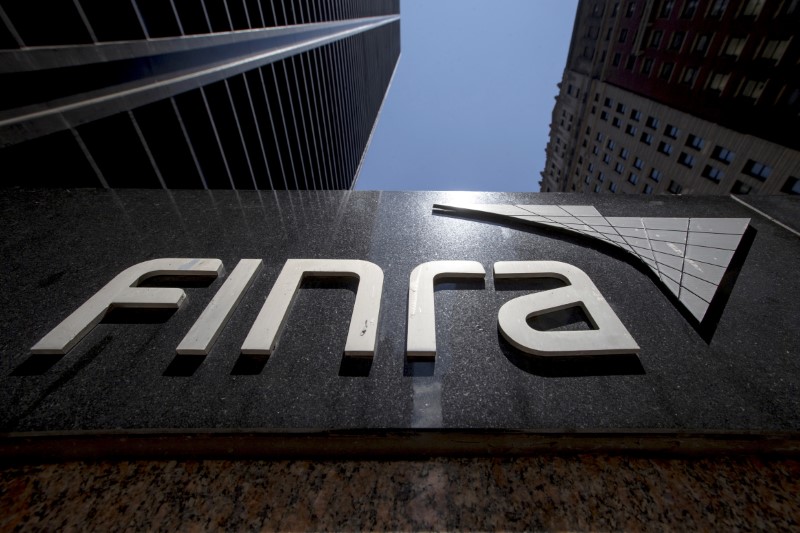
x: 609, y: 336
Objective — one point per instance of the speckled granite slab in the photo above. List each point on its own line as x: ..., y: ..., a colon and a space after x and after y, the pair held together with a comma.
x: 737, y: 379
x: 545, y: 493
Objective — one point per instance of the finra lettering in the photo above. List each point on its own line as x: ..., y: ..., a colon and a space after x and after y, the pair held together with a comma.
x: 607, y: 336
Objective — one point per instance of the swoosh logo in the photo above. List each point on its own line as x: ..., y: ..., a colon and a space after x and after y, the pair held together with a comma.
x: 690, y: 256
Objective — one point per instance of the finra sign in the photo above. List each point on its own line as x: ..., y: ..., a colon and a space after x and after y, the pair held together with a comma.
x: 607, y: 336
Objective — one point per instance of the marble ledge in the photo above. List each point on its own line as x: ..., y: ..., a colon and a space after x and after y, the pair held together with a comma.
x: 582, y: 492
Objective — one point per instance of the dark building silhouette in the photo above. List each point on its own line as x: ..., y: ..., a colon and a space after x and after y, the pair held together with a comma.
x: 680, y: 96
x: 240, y: 94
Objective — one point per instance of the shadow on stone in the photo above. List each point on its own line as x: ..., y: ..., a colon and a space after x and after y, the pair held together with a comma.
x: 249, y: 365
x: 418, y: 369
x: 37, y: 364
x: 355, y: 366
x: 129, y: 315
x: 184, y: 365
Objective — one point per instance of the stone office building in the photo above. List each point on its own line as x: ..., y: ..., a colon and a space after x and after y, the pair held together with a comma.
x: 243, y: 94
x: 686, y: 97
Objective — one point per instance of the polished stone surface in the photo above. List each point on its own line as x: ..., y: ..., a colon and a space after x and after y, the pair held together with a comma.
x: 550, y: 493
x: 59, y: 247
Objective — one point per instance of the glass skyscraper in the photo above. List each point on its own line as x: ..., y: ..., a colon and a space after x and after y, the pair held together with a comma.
x: 242, y: 94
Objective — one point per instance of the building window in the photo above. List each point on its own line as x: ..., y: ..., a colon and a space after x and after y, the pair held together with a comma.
x: 615, y: 9
x: 629, y: 64
x: 671, y: 131
x: 623, y: 34
x: 631, y: 9
x: 655, y: 38
x: 630, y: 129
x: 616, y: 122
x: 718, y: 8
x: 590, y: 167
x: 665, y: 148
x: 775, y: 49
x: 666, y: 71
x: 694, y: 141
x: 689, y: 75
x: 735, y: 46
x: 646, y: 138
x: 624, y: 153
x: 638, y: 163
x: 594, y: 109
x: 701, y: 43
x: 619, y: 168
x: 612, y: 187
x: 617, y: 58
x: 674, y: 187
x: 677, y: 40
x: 608, y: 102
x: 689, y: 9
x: 647, y: 66
x: 722, y: 154
x: 740, y: 187
x: 595, y: 150
x: 597, y: 188
x: 655, y: 175
x: 648, y: 189
x: 753, y: 89
x: 621, y: 108
x: 686, y: 160
x: 760, y: 171
x: 636, y: 115
x: 713, y: 173
x: 753, y: 8
x: 633, y: 178
x: 604, y: 115
x: 588, y: 130
x: 588, y: 52
x: 611, y: 144
x: 601, y: 177
x: 792, y: 186
x: 666, y: 8
x: 587, y: 179
x: 606, y: 159
x: 652, y: 122
x: 718, y: 82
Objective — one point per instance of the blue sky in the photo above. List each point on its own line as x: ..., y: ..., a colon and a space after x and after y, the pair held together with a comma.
x: 472, y: 97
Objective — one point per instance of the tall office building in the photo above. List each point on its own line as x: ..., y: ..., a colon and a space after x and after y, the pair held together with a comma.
x: 243, y: 94
x: 679, y: 96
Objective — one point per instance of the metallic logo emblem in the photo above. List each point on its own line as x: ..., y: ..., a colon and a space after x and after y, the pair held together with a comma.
x: 690, y: 256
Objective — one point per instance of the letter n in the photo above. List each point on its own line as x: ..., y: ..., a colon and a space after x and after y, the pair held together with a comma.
x: 362, y: 335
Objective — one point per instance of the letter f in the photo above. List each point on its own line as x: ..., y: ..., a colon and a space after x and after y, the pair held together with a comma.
x: 122, y: 291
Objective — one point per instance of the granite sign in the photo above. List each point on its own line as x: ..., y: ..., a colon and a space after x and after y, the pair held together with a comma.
x: 494, y: 316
